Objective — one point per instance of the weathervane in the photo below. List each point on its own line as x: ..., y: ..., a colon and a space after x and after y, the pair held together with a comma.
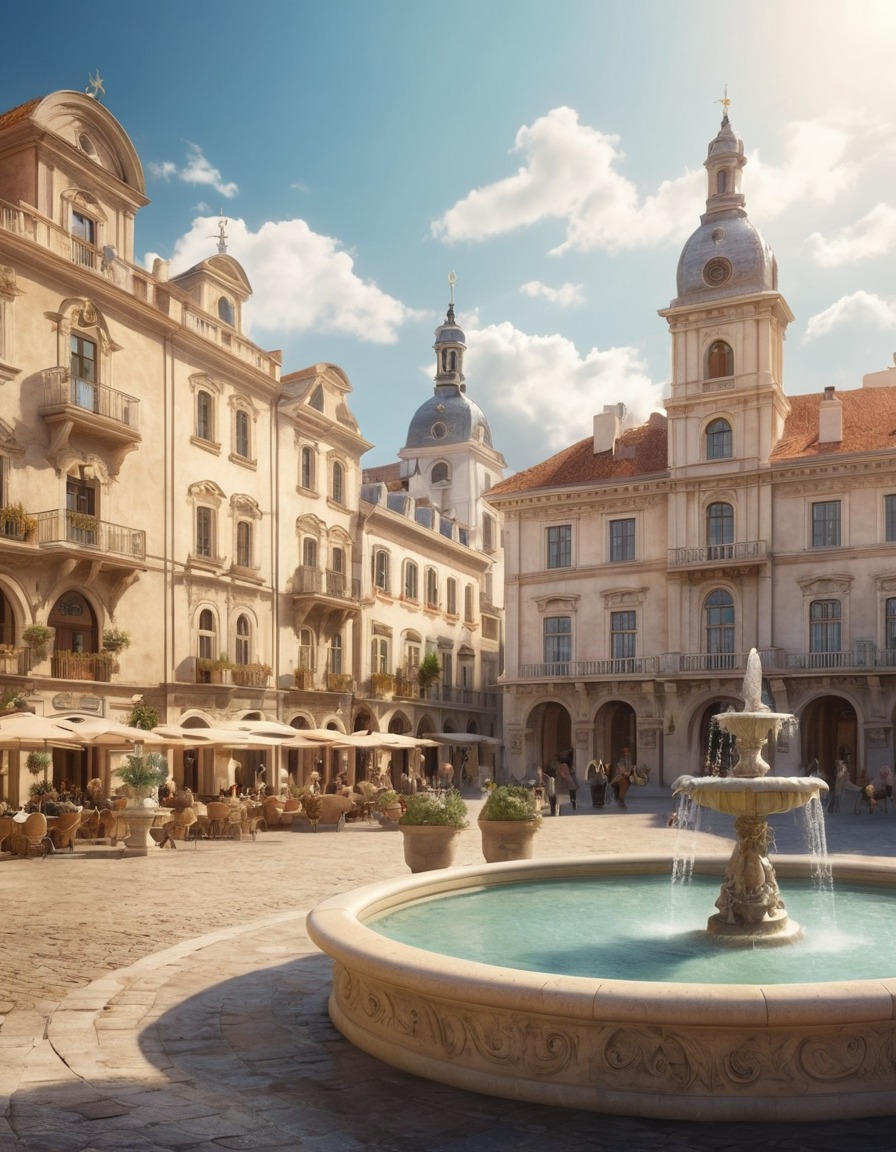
x: 222, y: 235
x: 452, y: 280
x: 725, y: 102
x: 95, y: 82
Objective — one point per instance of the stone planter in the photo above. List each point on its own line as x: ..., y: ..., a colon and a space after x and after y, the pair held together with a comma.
x: 139, y: 820
x: 391, y: 816
x: 428, y: 846
x: 507, y: 839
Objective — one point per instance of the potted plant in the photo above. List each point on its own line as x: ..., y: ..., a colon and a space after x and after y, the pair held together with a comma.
x: 428, y: 672
x: 430, y: 826
x: 143, y: 716
x: 14, y: 517
x: 38, y: 637
x: 382, y: 685
x: 41, y: 790
x: 211, y: 670
x: 312, y: 805
x: 143, y: 773
x: 38, y: 763
x: 389, y: 804
x: 251, y: 675
x: 116, y: 639
x: 508, y: 821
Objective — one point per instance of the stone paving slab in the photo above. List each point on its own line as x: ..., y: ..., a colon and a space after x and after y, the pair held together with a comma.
x: 174, y: 1001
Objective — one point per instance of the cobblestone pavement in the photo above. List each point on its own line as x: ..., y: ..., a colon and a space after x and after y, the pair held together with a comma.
x: 174, y: 1002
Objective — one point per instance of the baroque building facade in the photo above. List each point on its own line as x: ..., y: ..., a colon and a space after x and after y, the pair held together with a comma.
x: 161, y: 476
x: 645, y: 562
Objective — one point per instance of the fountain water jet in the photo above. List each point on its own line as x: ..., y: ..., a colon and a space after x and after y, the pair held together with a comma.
x: 751, y: 910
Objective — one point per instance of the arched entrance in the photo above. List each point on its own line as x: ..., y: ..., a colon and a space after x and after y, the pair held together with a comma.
x: 828, y: 732
x: 615, y: 728
x: 551, y: 733
x: 75, y: 624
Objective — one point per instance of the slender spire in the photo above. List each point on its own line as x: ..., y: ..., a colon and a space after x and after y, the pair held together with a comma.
x: 724, y: 165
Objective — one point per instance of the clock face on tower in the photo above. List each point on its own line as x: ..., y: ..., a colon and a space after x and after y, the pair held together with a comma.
x: 717, y: 271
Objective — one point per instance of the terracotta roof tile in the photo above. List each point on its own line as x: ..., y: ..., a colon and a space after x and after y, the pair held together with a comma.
x: 639, y: 452
x: 869, y: 424
x: 22, y: 112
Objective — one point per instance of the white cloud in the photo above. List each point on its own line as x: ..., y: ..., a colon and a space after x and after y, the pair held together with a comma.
x: 301, y: 281
x: 570, y: 173
x: 567, y: 295
x: 859, y: 308
x: 547, y: 393
x: 873, y: 235
x: 196, y: 170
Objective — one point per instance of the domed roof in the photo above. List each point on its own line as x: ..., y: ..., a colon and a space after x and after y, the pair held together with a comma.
x: 726, y: 256
x: 448, y: 417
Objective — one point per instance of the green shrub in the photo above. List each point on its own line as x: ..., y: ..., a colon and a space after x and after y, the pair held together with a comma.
x: 511, y: 802
x: 449, y: 810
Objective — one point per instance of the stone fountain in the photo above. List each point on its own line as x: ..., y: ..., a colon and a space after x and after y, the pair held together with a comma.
x: 751, y: 911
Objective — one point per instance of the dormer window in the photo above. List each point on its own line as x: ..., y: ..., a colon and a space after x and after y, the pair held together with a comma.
x: 317, y: 399
x: 441, y: 473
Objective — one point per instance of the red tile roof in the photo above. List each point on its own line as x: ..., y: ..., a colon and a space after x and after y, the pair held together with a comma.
x: 869, y: 424
x: 22, y: 112
x: 639, y: 452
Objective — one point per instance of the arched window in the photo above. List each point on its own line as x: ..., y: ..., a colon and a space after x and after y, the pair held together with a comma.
x: 75, y: 624
x: 307, y: 478
x: 411, y: 589
x: 208, y: 635
x: 432, y: 588
x: 205, y: 412
x: 719, y: 531
x: 719, y: 360
x: 336, y: 575
x: 225, y: 310
x: 718, y: 440
x: 451, y: 596
x: 381, y: 569
x: 306, y: 649
x: 441, y: 473
x: 244, y: 544
x: 338, y: 482
x: 241, y: 435
x: 309, y: 552
x: 7, y: 621
x: 719, y: 618
x: 468, y: 603
x: 243, y: 639
x: 722, y: 181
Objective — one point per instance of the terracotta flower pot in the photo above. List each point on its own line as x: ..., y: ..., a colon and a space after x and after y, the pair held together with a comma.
x: 507, y: 839
x: 429, y: 846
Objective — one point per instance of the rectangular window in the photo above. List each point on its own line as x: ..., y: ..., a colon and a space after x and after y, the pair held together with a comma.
x: 380, y: 654
x: 451, y: 596
x: 826, y: 524
x: 241, y: 446
x: 381, y: 570
x: 204, y: 541
x: 824, y: 626
x: 623, y: 635
x: 244, y: 545
x: 83, y: 374
x: 622, y: 540
x: 890, y: 519
x: 558, y: 644
x: 559, y: 540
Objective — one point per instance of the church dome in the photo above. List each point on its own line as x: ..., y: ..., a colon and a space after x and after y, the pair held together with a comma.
x: 448, y: 417
x: 727, y: 255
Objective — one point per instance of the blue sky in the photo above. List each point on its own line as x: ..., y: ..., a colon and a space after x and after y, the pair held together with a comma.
x: 549, y: 152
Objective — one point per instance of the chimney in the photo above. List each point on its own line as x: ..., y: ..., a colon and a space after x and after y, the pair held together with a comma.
x: 608, y: 427
x: 830, y: 418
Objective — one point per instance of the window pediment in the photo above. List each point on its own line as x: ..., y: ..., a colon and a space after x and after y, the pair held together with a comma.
x: 557, y: 603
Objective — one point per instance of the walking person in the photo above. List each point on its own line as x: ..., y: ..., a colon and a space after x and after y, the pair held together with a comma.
x: 622, y: 777
x: 596, y: 776
x: 567, y: 774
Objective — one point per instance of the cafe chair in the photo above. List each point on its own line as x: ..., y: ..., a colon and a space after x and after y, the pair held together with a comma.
x: 64, y: 831
x: 31, y: 837
x: 218, y: 818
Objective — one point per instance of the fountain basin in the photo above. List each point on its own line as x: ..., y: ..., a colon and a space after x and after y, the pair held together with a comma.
x: 647, y: 1048
x: 745, y: 796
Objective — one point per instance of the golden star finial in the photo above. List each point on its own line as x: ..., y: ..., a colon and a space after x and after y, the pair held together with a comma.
x: 725, y: 102
x: 95, y: 82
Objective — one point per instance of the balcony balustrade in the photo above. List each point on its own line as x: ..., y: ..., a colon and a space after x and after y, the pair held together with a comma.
x: 97, y: 666
x: 83, y: 400
x: 744, y: 552
x: 64, y: 527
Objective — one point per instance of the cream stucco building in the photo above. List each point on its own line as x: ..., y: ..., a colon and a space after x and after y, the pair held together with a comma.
x: 176, y: 485
x: 644, y: 563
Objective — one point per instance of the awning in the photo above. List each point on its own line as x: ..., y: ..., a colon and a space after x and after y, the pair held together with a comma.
x: 459, y: 739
